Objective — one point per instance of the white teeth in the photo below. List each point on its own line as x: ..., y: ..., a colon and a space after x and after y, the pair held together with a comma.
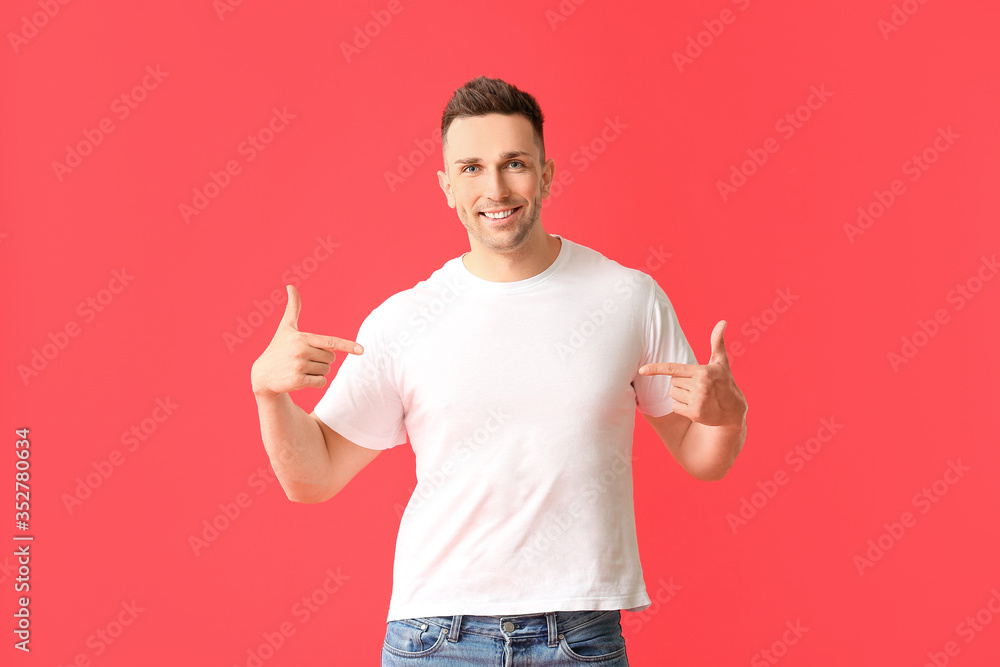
x: 499, y: 216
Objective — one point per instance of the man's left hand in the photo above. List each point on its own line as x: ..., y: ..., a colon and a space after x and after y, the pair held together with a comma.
x: 705, y: 394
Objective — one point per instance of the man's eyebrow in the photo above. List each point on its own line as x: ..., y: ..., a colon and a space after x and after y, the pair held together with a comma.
x: 503, y: 156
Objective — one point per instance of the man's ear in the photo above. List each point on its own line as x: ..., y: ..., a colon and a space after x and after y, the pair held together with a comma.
x: 548, y: 174
x: 445, y: 184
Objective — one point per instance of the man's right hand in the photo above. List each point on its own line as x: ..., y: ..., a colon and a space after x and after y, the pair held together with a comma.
x: 295, y: 359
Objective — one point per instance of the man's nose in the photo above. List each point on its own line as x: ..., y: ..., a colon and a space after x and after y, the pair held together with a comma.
x: 496, y: 186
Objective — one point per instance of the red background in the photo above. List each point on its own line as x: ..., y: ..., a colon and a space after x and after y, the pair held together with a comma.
x: 655, y: 185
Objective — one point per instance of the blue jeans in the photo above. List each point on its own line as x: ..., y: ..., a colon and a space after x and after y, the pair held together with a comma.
x: 558, y: 638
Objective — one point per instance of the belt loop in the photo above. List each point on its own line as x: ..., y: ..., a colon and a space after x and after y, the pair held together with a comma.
x: 550, y: 618
x: 456, y: 625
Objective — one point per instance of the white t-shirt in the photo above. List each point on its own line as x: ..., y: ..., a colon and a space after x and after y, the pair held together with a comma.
x: 519, y: 401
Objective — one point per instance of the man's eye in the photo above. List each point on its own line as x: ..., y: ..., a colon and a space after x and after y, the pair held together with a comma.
x: 517, y: 162
x: 467, y: 166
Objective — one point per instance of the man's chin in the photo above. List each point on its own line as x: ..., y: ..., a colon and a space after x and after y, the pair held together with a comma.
x: 500, y: 239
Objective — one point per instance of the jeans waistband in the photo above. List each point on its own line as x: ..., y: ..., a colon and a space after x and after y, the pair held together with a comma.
x: 515, y: 626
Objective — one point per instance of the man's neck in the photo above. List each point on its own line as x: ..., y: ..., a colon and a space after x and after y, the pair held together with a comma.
x: 506, y: 268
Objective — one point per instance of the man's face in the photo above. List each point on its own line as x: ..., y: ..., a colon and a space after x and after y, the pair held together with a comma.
x: 494, y: 165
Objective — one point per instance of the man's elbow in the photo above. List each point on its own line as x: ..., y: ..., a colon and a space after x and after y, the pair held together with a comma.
x: 307, y: 500
x: 711, y: 472
x: 307, y: 494
x: 713, y: 475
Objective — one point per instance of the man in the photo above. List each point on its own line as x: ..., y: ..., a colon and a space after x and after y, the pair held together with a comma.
x: 515, y: 371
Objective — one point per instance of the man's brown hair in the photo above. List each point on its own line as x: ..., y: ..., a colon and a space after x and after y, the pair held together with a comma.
x: 482, y: 95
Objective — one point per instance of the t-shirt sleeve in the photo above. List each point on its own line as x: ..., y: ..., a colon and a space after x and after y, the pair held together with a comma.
x: 664, y: 342
x: 362, y: 401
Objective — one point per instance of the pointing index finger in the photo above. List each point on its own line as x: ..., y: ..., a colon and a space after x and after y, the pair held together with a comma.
x: 677, y: 370
x: 334, y: 344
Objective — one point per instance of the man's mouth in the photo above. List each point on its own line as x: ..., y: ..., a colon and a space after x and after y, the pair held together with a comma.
x: 499, y: 214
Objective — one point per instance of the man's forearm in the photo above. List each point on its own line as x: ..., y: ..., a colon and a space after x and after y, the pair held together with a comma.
x: 710, y: 451
x: 296, y: 447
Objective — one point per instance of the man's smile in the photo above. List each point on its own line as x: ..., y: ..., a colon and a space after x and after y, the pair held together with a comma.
x: 499, y: 215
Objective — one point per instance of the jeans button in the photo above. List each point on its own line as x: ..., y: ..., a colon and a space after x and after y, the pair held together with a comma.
x: 508, y: 626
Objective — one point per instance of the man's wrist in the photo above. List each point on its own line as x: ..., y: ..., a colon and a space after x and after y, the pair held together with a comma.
x: 265, y: 396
